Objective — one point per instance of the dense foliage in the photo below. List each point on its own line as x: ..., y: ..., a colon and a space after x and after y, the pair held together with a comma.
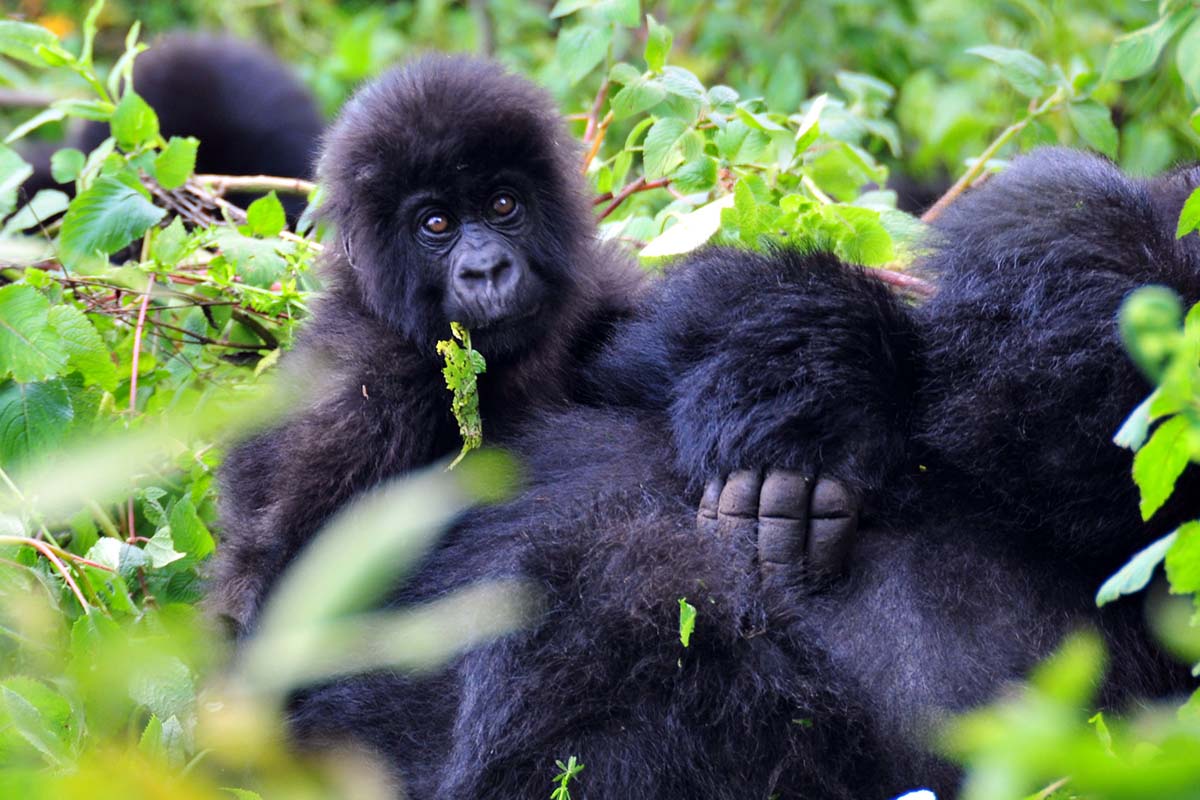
x: 140, y: 319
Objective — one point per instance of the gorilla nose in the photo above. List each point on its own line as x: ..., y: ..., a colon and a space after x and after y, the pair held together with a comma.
x: 486, y: 270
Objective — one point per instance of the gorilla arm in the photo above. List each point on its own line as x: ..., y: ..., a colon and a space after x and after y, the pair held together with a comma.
x: 378, y: 409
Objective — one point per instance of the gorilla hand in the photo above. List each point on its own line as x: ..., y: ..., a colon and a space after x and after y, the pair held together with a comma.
x: 802, y: 527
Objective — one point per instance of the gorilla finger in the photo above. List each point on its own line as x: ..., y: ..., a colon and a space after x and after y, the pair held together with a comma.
x: 833, y: 499
x: 737, y: 510
x: 784, y: 494
x: 829, y: 545
x: 781, y: 541
x: 706, y: 516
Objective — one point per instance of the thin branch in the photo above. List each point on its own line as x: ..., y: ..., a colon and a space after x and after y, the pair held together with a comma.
x: 901, y: 280
x: 256, y: 183
x: 640, y: 185
x: 593, y: 116
x: 594, y: 148
x: 133, y: 377
x: 971, y: 175
x: 24, y: 98
x: 48, y: 553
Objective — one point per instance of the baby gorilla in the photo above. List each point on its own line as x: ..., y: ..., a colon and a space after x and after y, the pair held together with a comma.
x: 456, y: 194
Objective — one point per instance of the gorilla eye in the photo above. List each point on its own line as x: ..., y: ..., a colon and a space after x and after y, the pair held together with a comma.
x: 436, y: 223
x: 504, y: 204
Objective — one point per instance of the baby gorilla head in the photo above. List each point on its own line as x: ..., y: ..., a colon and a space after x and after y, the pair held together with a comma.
x: 456, y: 192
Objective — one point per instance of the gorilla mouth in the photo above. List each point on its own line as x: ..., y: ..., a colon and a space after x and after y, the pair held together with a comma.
x: 508, y: 318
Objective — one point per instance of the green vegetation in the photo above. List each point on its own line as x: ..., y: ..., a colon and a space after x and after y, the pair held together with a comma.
x: 140, y: 322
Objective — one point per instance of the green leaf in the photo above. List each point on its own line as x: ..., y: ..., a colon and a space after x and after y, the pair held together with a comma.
x: 689, y: 231
x: 85, y: 349
x: 13, y: 172
x: 176, y: 163
x: 699, y: 175
x: 105, y: 218
x: 1093, y: 122
x: 123, y: 558
x: 660, y: 155
x: 45, y: 204
x: 463, y: 366
x: 1027, y: 73
x: 1135, y: 54
x: 242, y: 794
x: 257, y: 261
x: 188, y: 532
x: 1187, y: 57
x: 566, y: 7
x: 165, y: 686
x: 161, y: 549
x: 170, y: 244
x: 34, y: 418
x: 1150, y: 320
x: 44, y: 117
x: 29, y: 346
x: 66, y: 164
x: 687, y: 621
x: 678, y: 81
x: 1183, y: 560
x: 636, y: 97
x: 20, y: 40
x: 1189, y: 218
x: 134, y: 122
x: 1161, y: 461
x: 35, y: 728
x: 580, y: 49
x: 658, y: 44
x: 95, y: 110
x: 722, y: 98
x: 265, y: 216
x: 1134, y: 576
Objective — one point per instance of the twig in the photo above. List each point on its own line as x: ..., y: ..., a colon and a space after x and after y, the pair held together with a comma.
x: 256, y: 183
x: 48, y: 553
x: 1051, y: 789
x: 901, y: 280
x: 593, y: 116
x: 133, y: 377
x: 640, y: 185
x: 23, y: 98
x: 969, y: 177
x: 594, y: 148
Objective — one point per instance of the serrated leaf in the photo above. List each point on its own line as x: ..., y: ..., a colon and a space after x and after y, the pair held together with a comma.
x: 133, y: 122
x: 123, y: 558
x: 687, y: 621
x: 34, y: 418
x: 161, y: 549
x: 257, y: 261
x: 29, y: 347
x: 13, y: 172
x: 105, y: 218
x: 690, y: 231
x: 188, y: 532
x: 46, y: 204
x: 1026, y: 72
x: 176, y: 163
x: 1134, y: 576
x: 151, y: 741
x: 698, y: 175
x: 265, y: 216
x: 170, y: 244
x: 580, y: 49
x: 660, y: 155
x: 679, y: 81
x: 1093, y: 122
x: 722, y: 97
x: 35, y: 728
x: 1187, y: 57
x: 1183, y: 560
x: 1189, y: 218
x: 165, y: 686
x: 44, y: 117
x: 636, y: 97
x: 1161, y: 461
x: 566, y: 7
x: 66, y: 164
x: 1135, y: 53
x: 20, y: 40
x: 658, y: 44
x: 85, y: 349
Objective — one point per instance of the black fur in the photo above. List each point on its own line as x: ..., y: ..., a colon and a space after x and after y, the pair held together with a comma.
x: 249, y: 111
x: 444, y: 132
x: 977, y: 423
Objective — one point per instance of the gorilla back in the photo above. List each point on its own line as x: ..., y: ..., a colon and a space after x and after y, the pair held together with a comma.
x: 957, y: 586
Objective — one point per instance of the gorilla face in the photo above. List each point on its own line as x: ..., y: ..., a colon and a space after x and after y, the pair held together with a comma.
x: 458, y: 198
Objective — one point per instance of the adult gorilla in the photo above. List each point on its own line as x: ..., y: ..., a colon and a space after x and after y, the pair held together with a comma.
x: 977, y: 428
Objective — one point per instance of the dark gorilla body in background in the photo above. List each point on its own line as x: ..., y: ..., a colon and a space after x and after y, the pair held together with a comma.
x: 978, y: 427
x: 251, y: 114
x: 440, y: 138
